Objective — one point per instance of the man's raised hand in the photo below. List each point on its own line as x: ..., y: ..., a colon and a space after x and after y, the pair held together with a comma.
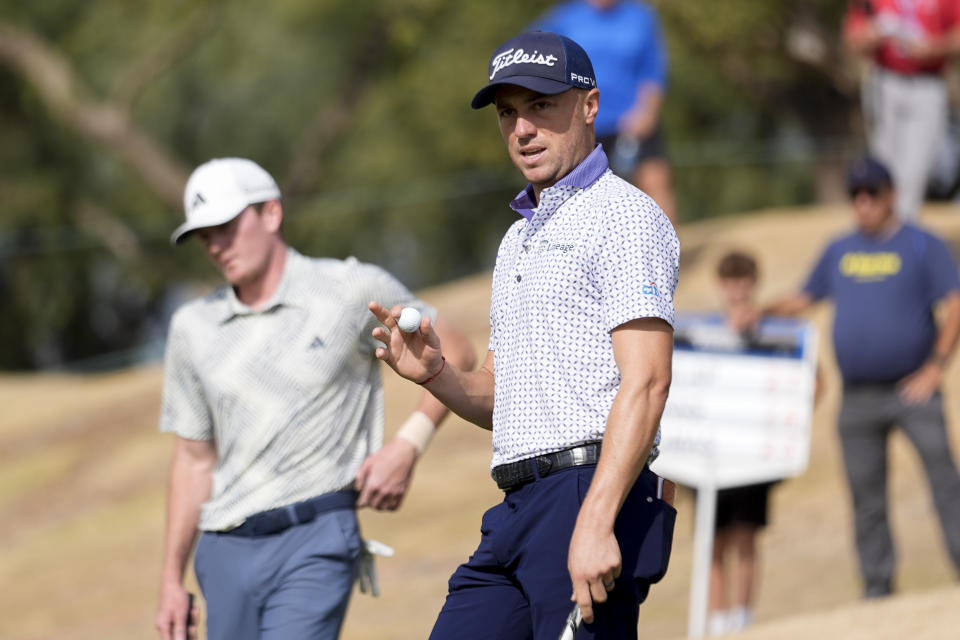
x: 415, y: 356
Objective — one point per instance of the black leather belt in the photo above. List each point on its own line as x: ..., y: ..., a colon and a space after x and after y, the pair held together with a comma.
x: 282, y: 518
x: 514, y: 475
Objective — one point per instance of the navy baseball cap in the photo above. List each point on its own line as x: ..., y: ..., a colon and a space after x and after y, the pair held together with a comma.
x: 868, y: 173
x: 544, y: 62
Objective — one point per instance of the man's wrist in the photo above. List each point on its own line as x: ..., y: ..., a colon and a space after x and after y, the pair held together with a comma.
x: 596, y: 514
x: 418, y: 430
x: 443, y: 365
x: 939, y: 360
x: 171, y: 577
x: 168, y: 582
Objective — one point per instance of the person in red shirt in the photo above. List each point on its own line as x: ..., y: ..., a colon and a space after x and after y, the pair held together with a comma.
x: 910, y: 43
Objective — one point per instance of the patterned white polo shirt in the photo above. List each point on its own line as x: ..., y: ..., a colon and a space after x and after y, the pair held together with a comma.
x: 290, y: 394
x: 595, y: 253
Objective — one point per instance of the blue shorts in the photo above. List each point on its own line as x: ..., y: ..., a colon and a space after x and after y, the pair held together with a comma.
x: 516, y: 586
x: 626, y: 154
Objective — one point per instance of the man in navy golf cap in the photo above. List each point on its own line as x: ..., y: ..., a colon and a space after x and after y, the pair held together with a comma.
x: 886, y: 278
x: 576, y: 374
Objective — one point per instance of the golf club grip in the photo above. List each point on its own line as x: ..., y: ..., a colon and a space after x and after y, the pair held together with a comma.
x: 571, y: 624
x: 190, y: 600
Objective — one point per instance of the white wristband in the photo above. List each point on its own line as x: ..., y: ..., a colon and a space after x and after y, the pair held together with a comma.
x: 418, y: 430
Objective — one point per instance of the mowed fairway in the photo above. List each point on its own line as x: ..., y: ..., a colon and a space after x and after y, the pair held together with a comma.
x: 83, y: 473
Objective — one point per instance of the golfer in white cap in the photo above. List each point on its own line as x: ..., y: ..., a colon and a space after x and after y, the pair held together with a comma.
x: 272, y: 389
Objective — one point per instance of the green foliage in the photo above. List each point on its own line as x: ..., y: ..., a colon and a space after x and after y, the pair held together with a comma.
x: 735, y: 82
x: 361, y: 111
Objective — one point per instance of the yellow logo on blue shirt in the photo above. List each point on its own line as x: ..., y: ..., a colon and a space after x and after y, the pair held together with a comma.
x: 870, y: 266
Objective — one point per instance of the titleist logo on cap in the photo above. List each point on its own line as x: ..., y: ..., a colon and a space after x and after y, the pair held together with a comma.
x: 543, y: 62
x: 519, y: 56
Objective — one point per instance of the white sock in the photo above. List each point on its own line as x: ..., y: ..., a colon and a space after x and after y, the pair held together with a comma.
x: 739, y: 618
x: 717, y: 622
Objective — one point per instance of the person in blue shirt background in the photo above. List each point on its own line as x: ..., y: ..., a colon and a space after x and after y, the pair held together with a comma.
x: 623, y: 39
x: 885, y: 279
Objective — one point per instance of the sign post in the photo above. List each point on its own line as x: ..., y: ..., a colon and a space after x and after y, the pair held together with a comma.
x: 739, y: 413
x: 702, y: 552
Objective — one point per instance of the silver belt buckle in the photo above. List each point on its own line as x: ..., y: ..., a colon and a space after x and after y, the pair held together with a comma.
x: 579, y: 455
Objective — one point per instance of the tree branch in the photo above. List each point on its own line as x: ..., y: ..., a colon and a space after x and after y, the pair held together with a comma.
x: 808, y: 41
x: 155, y: 61
x: 119, y: 239
x: 332, y: 121
x: 109, y: 124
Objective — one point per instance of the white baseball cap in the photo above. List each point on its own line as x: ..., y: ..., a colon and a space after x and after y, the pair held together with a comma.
x: 219, y: 190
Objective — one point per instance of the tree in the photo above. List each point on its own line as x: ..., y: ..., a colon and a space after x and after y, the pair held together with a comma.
x: 360, y: 110
x: 772, y: 79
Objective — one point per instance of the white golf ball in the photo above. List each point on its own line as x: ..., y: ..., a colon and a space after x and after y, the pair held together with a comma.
x: 409, y: 320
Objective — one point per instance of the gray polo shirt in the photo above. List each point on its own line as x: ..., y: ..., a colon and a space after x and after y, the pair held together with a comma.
x: 291, y: 394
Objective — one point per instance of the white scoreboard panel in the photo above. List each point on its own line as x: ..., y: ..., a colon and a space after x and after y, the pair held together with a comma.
x: 740, y: 406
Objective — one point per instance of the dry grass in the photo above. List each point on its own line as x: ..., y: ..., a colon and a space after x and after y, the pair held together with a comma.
x: 82, y: 475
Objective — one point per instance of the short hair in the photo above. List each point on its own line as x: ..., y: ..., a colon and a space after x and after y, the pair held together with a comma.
x: 737, y: 264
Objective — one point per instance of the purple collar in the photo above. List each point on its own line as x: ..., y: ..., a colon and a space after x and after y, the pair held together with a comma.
x: 582, y: 176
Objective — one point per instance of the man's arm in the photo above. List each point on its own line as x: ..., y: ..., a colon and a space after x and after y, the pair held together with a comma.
x: 384, y: 477
x: 920, y: 385
x: 642, y: 118
x: 790, y: 305
x: 419, y: 357
x: 649, y: 62
x: 743, y: 318
x: 191, y: 474
x: 643, y: 350
x: 862, y: 37
x: 945, y: 46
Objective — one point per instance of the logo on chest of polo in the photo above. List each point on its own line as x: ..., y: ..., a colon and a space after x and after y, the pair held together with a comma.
x: 861, y: 265
x: 546, y: 246
x: 650, y: 289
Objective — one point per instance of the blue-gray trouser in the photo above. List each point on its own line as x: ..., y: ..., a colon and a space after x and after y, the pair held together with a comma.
x: 868, y: 414
x: 291, y: 584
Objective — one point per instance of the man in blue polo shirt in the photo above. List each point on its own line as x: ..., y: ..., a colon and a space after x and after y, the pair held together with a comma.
x: 627, y: 49
x: 576, y: 375
x: 885, y: 279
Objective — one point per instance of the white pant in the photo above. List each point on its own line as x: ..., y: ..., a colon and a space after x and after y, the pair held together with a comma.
x: 906, y: 119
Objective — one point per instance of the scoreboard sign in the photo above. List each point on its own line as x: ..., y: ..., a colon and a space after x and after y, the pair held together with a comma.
x: 740, y: 406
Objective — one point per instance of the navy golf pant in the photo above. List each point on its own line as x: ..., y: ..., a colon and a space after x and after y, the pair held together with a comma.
x: 516, y: 586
